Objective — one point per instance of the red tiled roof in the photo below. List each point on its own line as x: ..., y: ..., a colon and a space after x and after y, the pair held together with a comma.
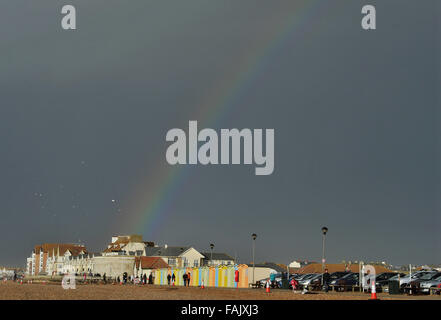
x: 50, y: 248
x: 150, y: 263
x: 113, y: 248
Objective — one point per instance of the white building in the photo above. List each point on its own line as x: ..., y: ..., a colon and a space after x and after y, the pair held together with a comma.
x: 132, y: 245
x: 178, y: 257
x: 48, y: 258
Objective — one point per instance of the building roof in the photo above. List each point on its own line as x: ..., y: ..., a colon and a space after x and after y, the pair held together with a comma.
x: 165, y: 251
x: 317, y: 268
x: 217, y: 256
x: 122, y: 241
x: 114, y: 248
x: 60, y: 248
x: 150, y: 263
x: 128, y: 238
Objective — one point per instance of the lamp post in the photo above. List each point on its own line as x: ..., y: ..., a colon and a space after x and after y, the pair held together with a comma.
x: 254, y: 236
x: 324, y: 231
x: 211, y: 254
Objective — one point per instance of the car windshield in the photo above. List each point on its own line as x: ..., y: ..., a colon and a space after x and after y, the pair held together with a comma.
x: 338, y: 275
x: 428, y: 276
x: 423, y: 274
x: 385, y: 276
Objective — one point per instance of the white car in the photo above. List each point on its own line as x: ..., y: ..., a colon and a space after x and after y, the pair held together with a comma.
x: 407, y: 279
x: 426, y: 285
x: 316, y: 279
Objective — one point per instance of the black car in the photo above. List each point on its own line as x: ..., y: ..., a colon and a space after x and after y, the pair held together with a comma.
x: 382, y: 279
x: 337, y: 275
x: 346, y: 282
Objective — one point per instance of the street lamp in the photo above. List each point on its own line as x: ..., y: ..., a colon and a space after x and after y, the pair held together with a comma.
x: 324, y: 231
x: 211, y: 255
x: 254, y: 236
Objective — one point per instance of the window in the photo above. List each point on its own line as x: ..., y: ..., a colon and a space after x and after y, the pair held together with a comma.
x: 172, y: 262
x: 196, y: 263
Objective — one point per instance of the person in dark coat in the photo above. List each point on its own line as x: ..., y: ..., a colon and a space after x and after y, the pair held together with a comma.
x: 173, y: 278
x: 150, y: 279
x: 185, y: 279
x: 188, y: 279
x: 104, y: 278
x: 145, y: 278
x: 168, y: 279
x: 326, y: 279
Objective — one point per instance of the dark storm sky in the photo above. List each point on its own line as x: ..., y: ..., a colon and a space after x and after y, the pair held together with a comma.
x: 84, y: 114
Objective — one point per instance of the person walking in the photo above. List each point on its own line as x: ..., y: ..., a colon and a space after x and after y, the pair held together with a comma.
x: 104, y: 278
x: 326, y: 279
x: 188, y: 278
x: 145, y: 278
x: 168, y: 278
x: 173, y: 278
x: 185, y: 279
x: 294, y: 284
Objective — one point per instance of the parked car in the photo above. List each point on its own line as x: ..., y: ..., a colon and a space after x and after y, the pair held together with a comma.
x: 435, y: 282
x: 406, y: 279
x: 382, y: 280
x: 416, y: 284
x: 276, y: 284
x: 301, y: 276
x: 337, y: 275
x: 315, y: 281
x: 306, y: 278
x: 346, y: 282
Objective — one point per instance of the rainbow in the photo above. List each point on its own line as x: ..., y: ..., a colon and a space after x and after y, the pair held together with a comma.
x: 148, y: 205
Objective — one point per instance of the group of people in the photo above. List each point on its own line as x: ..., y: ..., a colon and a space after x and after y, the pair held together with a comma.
x: 186, y: 277
x: 143, y: 279
x: 171, y: 278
